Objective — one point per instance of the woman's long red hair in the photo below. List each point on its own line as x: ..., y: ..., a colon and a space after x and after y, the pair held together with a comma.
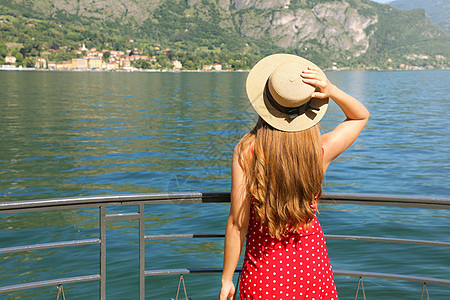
x: 284, y: 174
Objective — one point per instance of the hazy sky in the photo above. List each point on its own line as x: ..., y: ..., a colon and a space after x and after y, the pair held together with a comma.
x: 382, y: 1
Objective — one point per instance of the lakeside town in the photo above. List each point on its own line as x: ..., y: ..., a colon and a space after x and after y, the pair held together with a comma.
x: 103, y: 60
x: 91, y: 59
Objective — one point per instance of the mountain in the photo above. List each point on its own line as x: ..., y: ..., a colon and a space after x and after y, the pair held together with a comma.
x: 437, y: 10
x: 349, y: 33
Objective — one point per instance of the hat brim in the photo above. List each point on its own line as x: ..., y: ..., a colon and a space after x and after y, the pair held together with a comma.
x: 255, y: 86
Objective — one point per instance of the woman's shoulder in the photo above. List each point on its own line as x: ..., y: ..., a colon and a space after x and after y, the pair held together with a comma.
x: 244, y: 145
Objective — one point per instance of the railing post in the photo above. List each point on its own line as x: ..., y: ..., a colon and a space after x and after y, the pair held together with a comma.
x: 102, y: 252
x: 362, y: 287
x: 141, y: 252
x: 424, y: 287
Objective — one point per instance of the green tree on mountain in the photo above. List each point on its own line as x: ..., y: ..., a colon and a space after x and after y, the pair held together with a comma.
x: 18, y: 56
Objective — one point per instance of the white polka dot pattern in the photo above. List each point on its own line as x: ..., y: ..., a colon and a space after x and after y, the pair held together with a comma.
x: 295, y: 267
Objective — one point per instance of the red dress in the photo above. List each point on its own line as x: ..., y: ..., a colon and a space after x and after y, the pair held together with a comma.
x: 295, y: 267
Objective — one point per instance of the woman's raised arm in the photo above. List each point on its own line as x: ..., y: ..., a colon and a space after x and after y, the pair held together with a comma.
x: 338, y: 140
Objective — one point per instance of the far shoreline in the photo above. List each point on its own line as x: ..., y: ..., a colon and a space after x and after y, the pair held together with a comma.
x: 199, y: 71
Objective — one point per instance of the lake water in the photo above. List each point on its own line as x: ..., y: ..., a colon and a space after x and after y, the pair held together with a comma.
x: 78, y: 134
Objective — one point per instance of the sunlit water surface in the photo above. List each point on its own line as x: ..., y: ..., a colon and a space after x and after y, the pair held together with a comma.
x: 78, y: 134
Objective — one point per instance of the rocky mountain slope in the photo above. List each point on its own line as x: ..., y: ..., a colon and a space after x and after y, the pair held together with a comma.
x: 344, y: 30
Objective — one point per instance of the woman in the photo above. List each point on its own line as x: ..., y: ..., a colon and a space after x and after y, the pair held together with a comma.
x: 277, y: 173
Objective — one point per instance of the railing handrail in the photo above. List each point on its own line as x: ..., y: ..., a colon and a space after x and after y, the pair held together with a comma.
x: 101, y: 202
x: 181, y: 198
x: 335, y: 272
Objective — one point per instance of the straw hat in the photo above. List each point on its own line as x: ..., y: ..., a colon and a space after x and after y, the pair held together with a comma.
x: 279, y: 96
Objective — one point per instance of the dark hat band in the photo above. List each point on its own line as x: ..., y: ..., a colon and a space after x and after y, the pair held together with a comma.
x: 292, y: 112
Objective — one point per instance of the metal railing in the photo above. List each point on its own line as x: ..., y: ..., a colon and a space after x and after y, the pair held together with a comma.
x: 141, y: 200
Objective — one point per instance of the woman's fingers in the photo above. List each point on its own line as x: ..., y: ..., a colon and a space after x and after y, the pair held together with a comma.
x: 316, y: 79
x: 227, y: 291
x: 319, y: 85
x: 311, y: 74
x: 310, y: 70
x: 319, y: 95
x: 315, y: 82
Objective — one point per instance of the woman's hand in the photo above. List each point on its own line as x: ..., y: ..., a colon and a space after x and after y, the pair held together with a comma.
x: 318, y: 80
x: 227, y: 291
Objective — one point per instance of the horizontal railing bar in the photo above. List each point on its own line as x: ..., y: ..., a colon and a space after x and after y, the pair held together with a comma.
x: 387, y: 240
x: 49, y: 245
x: 185, y: 271
x: 327, y: 236
x: 186, y: 198
x: 103, y: 200
x: 31, y: 285
x: 386, y: 200
x: 119, y: 217
x: 335, y: 272
x: 55, y: 207
x: 181, y: 236
x: 393, y: 276
x: 90, y: 201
